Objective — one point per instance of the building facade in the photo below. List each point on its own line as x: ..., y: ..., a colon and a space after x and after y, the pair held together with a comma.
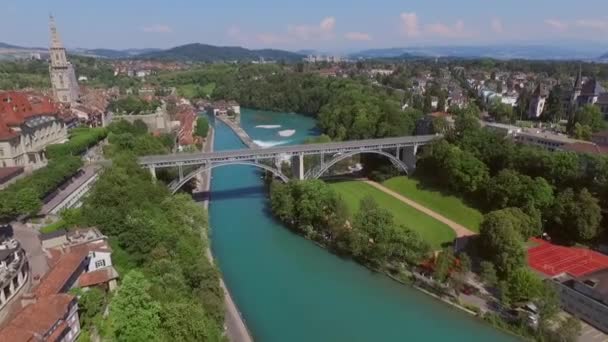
x: 537, y: 103
x: 28, y: 123
x: 14, y: 270
x: 585, y: 92
x: 585, y: 297
x: 63, y: 76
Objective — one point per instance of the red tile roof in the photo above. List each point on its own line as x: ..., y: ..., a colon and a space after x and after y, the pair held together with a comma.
x: 16, y: 107
x: 61, y: 273
x: 101, y: 276
x: 552, y: 260
x: 37, y: 319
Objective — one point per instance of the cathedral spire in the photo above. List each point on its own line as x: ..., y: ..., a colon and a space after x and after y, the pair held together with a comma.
x: 55, y: 40
x: 578, y: 84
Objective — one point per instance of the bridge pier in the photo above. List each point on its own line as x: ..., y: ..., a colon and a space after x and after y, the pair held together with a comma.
x: 297, y: 166
x: 408, y: 156
x: 152, y: 171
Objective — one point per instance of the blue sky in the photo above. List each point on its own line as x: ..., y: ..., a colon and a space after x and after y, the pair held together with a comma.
x: 316, y: 24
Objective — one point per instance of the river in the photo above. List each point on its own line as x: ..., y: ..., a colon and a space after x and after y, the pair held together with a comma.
x: 287, y: 288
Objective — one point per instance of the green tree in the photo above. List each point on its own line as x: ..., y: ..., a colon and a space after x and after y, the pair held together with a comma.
x: 188, y: 322
x: 488, y: 273
x: 568, y: 330
x: 467, y: 120
x: 576, y: 216
x: 27, y: 200
x: 589, y: 115
x: 282, y: 202
x: 443, y: 264
x: 583, y: 132
x: 501, y: 244
x: 374, y: 222
x: 464, y: 263
x: 512, y: 189
x: 554, y: 111
x: 90, y: 305
x: 523, y: 285
x: 134, y: 315
x: 202, y: 127
x: 501, y: 112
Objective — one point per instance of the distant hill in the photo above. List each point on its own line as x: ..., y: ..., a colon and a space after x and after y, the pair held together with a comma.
x: 210, y: 53
x: 112, y: 54
x: 536, y: 52
x: 9, y: 46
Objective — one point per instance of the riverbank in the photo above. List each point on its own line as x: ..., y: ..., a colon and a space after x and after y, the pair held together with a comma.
x: 239, y: 131
x: 289, y: 289
x: 235, y: 326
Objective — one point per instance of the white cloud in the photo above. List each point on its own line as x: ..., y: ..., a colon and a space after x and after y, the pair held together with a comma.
x: 158, y: 28
x: 555, y: 24
x: 446, y: 31
x: 358, y: 36
x: 595, y: 24
x: 409, y: 24
x: 497, y: 26
x: 323, y: 31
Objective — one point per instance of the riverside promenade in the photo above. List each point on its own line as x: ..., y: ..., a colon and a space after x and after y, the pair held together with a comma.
x: 236, y: 329
x: 239, y: 131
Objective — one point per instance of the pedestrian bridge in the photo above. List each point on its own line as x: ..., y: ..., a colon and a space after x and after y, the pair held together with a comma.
x: 401, y: 151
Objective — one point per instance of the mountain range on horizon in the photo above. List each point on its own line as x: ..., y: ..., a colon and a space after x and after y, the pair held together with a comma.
x: 209, y: 53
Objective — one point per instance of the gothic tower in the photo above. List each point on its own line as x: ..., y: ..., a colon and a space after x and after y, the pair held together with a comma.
x: 63, y: 77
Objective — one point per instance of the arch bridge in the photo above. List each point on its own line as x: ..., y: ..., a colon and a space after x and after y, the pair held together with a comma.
x: 401, y: 151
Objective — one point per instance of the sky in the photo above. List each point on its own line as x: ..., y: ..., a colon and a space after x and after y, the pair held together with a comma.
x: 326, y: 25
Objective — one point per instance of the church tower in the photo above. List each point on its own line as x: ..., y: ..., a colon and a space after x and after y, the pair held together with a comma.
x: 63, y: 77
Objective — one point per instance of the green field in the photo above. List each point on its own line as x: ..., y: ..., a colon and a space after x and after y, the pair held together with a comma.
x: 431, y: 230
x: 450, y: 207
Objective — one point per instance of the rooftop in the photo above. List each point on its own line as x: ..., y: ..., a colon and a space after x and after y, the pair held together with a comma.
x: 100, y: 276
x: 37, y: 319
x: 68, y: 264
x: 598, y: 280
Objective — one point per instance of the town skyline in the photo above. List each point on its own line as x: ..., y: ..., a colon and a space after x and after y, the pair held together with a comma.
x: 270, y: 24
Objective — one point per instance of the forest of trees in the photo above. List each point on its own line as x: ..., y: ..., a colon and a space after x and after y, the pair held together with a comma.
x: 169, y: 289
x: 315, y: 210
x: 345, y: 108
x: 133, y: 105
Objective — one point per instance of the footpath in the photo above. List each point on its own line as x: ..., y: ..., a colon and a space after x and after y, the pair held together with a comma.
x: 236, y: 330
x: 459, y: 229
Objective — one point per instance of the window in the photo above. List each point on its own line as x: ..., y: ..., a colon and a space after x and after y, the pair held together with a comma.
x: 100, y: 263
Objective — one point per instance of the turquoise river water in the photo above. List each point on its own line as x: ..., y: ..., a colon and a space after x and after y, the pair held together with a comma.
x: 287, y: 288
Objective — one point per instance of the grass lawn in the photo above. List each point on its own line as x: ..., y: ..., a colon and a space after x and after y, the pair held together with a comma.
x: 431, y: 230
x: 450, y: 207
x: 53, y: 227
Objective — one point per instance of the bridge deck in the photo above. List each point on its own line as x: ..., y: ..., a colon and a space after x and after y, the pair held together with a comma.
x: 265, y: 153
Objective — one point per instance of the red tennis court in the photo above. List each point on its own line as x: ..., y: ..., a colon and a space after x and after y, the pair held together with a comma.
x: 552, y: 260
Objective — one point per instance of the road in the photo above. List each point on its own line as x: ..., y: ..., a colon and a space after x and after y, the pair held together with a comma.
x: 272, y: 152
x: 459, y: 229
